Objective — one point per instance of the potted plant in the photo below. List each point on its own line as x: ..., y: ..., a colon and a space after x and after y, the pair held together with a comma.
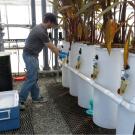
x: 109, y: 62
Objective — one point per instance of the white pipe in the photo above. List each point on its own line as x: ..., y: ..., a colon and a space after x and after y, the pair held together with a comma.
x: 117, y: 99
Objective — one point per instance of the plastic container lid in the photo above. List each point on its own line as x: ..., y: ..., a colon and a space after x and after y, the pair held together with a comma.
x: 9, y: 99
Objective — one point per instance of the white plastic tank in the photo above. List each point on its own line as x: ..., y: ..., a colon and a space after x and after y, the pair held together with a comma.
x: 65, y: 77
x: 74, y: 79
x: 125, y: 121
x: 85, y: 91
x: 130, y: 92
x: 105, y: 110
x: 126, y: 118
x: 65, y: 72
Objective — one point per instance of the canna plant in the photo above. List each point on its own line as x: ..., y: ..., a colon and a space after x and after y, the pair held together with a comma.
x: 115, y: 25
x: 96, y: 21
x: 116, y: 29
x: 78, y: 20
x: 67, y: 9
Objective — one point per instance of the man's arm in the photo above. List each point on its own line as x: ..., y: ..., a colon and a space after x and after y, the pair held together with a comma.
x: 53, y: 48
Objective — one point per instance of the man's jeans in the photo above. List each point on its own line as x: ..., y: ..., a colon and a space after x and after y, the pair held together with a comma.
x: 30, y: 85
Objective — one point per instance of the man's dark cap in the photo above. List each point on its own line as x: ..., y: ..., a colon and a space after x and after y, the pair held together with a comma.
x: 50, y: 17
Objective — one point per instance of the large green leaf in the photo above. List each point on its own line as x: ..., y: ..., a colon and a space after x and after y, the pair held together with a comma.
x: 85, y: 7
x: 66, y: 2
x: 64, y: 8
x: 131, y: 4
x: 109, y: 8
x: 55, y: 4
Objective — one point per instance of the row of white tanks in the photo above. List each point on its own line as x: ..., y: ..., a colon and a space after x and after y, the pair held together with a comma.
x: 106, y: 112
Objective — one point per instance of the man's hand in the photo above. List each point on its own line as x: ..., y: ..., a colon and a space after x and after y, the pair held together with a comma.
x: 62, y: 55
x: 53, y: 48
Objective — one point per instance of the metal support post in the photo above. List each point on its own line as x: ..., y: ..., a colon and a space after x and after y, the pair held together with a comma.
x: 33, y: 13
x: 56, y: 66
x: 56, y: 43
x: 1, y: 36
x: 45, y: 49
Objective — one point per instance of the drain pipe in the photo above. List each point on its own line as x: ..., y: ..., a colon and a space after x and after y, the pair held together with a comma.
x: 118, y: 99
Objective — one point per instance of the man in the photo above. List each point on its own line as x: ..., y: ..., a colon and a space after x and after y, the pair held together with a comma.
x: 35, y: 42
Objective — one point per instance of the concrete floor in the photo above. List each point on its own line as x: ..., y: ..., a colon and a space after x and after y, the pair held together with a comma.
x: 59, y: 115
x: 46, y: 118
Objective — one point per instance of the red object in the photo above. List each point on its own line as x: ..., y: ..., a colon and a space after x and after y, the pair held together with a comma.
x: 20, y: 78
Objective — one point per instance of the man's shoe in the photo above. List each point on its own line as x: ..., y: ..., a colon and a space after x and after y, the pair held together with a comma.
x: 40, y: 100
x: 22, y: 106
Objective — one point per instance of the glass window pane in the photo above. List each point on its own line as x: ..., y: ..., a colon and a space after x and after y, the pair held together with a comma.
x: 18, y: 14
x: 18, y: 33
